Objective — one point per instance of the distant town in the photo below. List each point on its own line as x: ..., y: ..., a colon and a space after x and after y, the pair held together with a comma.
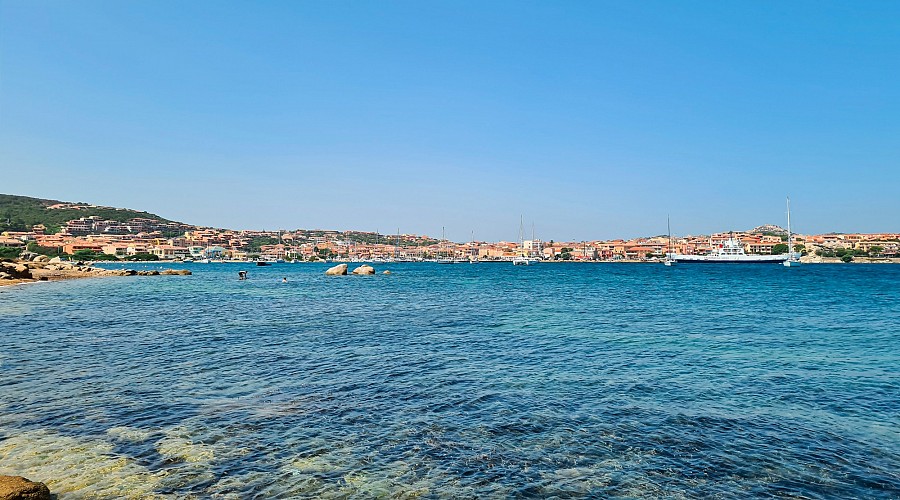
x: 98, y: 238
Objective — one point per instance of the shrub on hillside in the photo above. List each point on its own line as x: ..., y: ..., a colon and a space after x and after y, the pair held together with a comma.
x: 9, y: 252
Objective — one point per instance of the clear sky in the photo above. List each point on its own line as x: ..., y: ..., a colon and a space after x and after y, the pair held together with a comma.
x: 591, y: 119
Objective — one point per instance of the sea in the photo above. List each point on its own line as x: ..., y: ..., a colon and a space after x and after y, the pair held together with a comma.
x: 575, y: 380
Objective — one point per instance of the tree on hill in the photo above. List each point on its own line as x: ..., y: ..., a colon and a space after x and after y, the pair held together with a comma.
x: 92, y: 255
x: 780, y: 249
x: 48, y: 251
x: 9, y: 252
x: 142, y: 256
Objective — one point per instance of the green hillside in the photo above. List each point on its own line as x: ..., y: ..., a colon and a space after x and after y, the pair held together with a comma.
x: 21, y: 213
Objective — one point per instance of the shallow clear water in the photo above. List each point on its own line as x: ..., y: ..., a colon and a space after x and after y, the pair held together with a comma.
x: 489, y: 380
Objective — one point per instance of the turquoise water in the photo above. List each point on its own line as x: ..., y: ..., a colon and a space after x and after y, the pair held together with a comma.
x: 489, y: 380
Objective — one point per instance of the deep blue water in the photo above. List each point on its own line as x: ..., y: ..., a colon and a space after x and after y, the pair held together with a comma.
x: 489, y: 380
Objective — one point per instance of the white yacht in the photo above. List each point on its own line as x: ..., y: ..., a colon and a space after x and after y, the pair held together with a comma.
x: 730, y: 250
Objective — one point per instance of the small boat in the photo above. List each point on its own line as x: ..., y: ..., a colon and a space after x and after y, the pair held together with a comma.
x: 521, y: 261
x: 262, y: 263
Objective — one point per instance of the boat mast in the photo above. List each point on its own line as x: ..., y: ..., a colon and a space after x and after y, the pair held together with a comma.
x: 522, y: 234
x: 790, y: 236
x: 531, y: 250
x: 669, y: 229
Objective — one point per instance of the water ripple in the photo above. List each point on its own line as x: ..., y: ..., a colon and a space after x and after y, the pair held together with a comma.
x: 562, y: 381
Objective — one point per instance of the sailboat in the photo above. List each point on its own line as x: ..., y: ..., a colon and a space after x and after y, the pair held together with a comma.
x: 521, y: 260
x: 444, y: 258
x: 280, y: 260
x: 670, y: 258
x: 533, y: 256
x: 793, y: 259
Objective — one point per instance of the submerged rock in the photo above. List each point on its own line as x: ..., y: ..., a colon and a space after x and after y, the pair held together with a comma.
x: 364, y: 269
x: 19, y: 488
x: 179, y: 272
x: 338, y: 270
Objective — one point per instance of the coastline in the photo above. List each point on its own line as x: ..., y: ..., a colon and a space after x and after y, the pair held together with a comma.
x: 20, y: 272
x: 35, y: 272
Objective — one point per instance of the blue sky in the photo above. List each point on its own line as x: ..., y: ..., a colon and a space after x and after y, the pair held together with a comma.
x: 591, y: 119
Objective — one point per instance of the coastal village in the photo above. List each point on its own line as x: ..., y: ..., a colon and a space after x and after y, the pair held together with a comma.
x: 181, y: 242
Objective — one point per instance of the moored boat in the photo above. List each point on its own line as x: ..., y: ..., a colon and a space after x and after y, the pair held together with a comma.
x: 670, y: 255
x: 730, y: 251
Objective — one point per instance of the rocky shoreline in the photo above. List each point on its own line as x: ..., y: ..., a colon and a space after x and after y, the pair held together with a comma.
x: 36, y: 268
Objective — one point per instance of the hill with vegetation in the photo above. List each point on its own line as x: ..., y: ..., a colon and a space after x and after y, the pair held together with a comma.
x: 21, y: 213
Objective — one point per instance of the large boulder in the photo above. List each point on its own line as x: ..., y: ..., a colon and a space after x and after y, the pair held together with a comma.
x: 55, y: 260
x: 17, y: 271
x: 26, y: 255
x: 175, y: 272
x: 364, y: 269
x: 338, y: 270
x: 19, y: 488
x: 41, y: 258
